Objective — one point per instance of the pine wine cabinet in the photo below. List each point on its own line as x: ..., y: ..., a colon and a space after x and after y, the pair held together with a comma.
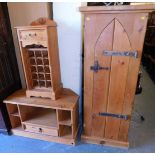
x: 113, y: 43
x: 39, y: 52
x: 43, y: 118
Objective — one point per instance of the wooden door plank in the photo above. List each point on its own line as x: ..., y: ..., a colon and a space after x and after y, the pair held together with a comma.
x: 101, y: 80
x: 118, y: 76
x: 88, y: 75
x: 92, y: 29
x: 137, y: 41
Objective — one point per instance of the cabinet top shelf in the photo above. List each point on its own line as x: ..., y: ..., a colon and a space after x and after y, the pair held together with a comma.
x: 67, y: 100
x: 129, y: 8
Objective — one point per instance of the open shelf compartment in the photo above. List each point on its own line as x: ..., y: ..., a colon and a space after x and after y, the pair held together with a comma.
x: 64, y: 117
x: 13, y: 110
x: 15, y: 121
x: 38, y: 116
x: 65, y: 131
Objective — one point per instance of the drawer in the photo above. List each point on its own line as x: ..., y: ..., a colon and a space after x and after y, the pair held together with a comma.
x: 41, y: 130
x: 29, y: 37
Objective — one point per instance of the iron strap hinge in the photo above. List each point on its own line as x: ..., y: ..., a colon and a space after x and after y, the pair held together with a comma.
x: 125, y: 117
x: 123, y: 53
x: 97, y: 67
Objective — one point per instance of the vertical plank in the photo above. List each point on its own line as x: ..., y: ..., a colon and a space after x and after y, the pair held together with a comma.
x: 88, y: 75
x: 94, y: 24
x: 101, y: 80
x: 75, y: 120
x: 53, y: 52
x: 137, y: 40
x: 118, y: 76
x: 25, y: 64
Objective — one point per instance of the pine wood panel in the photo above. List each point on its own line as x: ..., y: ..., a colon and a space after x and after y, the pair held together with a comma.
x: 67, y: 101
x: 88, y: 76
x: 64, y: 140
x: 54, y: 61
x: 101, y: 80
x: 118, y: 76
x: 97, y: 24
x: 75, y: 120
x: 120, y: 9
x: 104, y: 141
x: 33, y: 37
x: 40, y: 130
x: 137, y: 40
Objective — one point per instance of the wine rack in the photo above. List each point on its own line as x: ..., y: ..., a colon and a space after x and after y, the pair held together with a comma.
x: 40, y: 68
x: 39, y: 52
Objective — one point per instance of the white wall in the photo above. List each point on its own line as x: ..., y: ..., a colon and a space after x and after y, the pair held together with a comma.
x: 22, y: 14
x: 69, y: 21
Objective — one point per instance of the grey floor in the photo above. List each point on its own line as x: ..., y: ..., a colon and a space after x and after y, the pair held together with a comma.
x: 141, y: 136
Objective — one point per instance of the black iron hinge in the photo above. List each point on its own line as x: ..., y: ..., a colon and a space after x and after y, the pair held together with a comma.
x: 125, y: 117
x: 96, y: 67
x: 123, y: 53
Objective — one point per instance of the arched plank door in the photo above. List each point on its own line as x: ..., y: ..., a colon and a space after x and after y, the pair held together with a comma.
x: 110, y: 79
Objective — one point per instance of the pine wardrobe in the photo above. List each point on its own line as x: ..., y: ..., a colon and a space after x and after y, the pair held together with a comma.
x: 113, y: 43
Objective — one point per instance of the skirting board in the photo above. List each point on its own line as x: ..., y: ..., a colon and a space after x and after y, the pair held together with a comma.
x: 108, y: 142
x: 49, y: 138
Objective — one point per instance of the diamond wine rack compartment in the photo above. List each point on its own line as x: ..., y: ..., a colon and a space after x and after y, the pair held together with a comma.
x: 39, y: 51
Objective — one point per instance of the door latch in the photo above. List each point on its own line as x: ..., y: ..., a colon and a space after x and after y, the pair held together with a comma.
x: 97, y: 67
x: 125, y: 117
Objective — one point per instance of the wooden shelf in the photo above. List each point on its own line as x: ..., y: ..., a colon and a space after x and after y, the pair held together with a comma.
x: 40, y: 73
x: 67, y: 135
x: 64, y: 117
x: 39, y: 57
x: 15, y: 114
x: 44, y: 118
x: 38, y: 49
x: 37, y: 88
x: 67, y: 101
x: 66, y: 122
x: 41, y: 80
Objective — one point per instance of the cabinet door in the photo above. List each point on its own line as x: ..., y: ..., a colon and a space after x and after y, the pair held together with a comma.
x: 115, y: 77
